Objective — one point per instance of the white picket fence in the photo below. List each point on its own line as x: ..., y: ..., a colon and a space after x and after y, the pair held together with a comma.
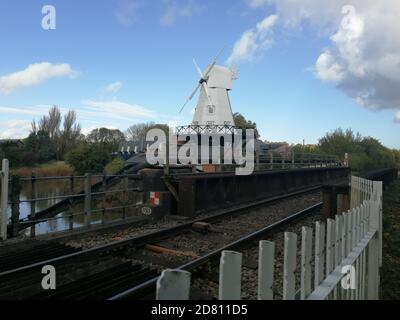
x: 4, y: 173
x: 347, y: 257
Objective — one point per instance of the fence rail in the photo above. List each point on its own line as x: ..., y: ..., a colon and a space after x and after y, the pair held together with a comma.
x: 4, y: 173
x: 272, y: 160
x: 88, y: 196
x: 344, y: 266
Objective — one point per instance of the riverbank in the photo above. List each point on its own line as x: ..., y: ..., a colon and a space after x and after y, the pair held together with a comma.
x: 50, y: 169
x: 390, y: 275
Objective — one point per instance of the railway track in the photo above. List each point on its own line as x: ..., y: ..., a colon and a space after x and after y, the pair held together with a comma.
x: 129, y: 268
x: 147, y: 289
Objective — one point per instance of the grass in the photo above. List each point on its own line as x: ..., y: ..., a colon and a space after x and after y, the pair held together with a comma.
x: 390, y: 273
x: 51, y: 169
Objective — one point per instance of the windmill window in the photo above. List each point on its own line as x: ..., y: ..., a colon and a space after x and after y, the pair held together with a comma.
x: 211, y: 109
x: 210, y: 123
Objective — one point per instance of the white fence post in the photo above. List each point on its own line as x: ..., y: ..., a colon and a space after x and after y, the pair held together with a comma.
x: 4, y: 199
x: 352, y: 239
x: 338, y: 246
x: 230, y: 276
x: 330, y: 250
x: 289, y: 267
x: 173, y: 285
x: 319, y: 253
x: 266, y: 261
x: 343, y: 248
x: 379, y: 190
x: 306, y: 256
x: 363, y: 257
x: 373, y: 269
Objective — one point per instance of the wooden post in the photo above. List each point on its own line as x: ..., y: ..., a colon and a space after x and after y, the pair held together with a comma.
x: 289, y: 266
x: 71, y: 184
x: 330, y: 250
x: 15, y: 196
x: 306, y: 257
x: 173, y: 285
x: 4, y: 199
x: 71, y: 219
x: 230, y: 276
x: 319, y: 253
x: 88, y: 199
x: 338, y: 248
x: 33, y: 203
x: 266, y: 270
x: 330, y: 242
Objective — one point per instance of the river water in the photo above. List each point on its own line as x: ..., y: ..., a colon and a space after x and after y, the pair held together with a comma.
x: 52, y: 189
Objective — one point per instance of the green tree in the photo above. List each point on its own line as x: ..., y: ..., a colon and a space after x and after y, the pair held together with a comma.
x: 108, y: 139
x: 88, y: 158
x: 243, y: 123
x: 64, y: 132
x: 365, y: 153
x: 38, y: 148
x: 137, y: 132
x: 12, y: 151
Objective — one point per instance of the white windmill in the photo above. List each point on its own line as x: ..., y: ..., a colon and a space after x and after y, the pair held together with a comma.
x: 213, y: 107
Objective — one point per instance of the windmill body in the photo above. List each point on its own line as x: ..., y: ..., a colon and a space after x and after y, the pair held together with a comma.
x: 213, y: 107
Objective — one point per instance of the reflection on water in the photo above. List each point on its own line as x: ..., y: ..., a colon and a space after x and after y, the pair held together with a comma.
x: 52, y: 189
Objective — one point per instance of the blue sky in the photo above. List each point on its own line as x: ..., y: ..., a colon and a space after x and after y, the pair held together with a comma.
x: 120, y: 62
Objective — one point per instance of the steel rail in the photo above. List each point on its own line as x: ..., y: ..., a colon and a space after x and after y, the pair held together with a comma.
x: 154, y: 236
x: 215, y: 254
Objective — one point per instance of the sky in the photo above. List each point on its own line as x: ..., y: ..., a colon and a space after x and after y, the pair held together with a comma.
x: 305, y: 67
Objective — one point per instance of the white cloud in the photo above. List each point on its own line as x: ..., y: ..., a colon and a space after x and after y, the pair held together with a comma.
x: 397, y: 117
x: 14, y: 129
x: 179, y: 9
x: 36, y: 110
x: 34, y: 74
x: 115, y: 110
x: 363, y: 58
x: 327, y: 69
x: 113, y: 87
x: 253, y: 41
x: 257, y: 3
x: 127, y: 11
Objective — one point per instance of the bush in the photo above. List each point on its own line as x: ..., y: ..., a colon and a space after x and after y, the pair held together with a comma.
x: 114, y: 166
x: 88, y: 159
x: 365, y: 153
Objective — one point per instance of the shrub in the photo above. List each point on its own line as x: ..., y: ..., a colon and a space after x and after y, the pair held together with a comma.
x: 114, y: 166
x: 88, y: 158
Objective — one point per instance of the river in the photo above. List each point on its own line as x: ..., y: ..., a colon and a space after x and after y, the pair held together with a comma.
x: 51, y: 189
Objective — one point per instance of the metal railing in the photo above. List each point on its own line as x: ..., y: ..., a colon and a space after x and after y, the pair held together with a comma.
x: 272, y: 160
x: 346, y: 258
x: 87, y: 196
